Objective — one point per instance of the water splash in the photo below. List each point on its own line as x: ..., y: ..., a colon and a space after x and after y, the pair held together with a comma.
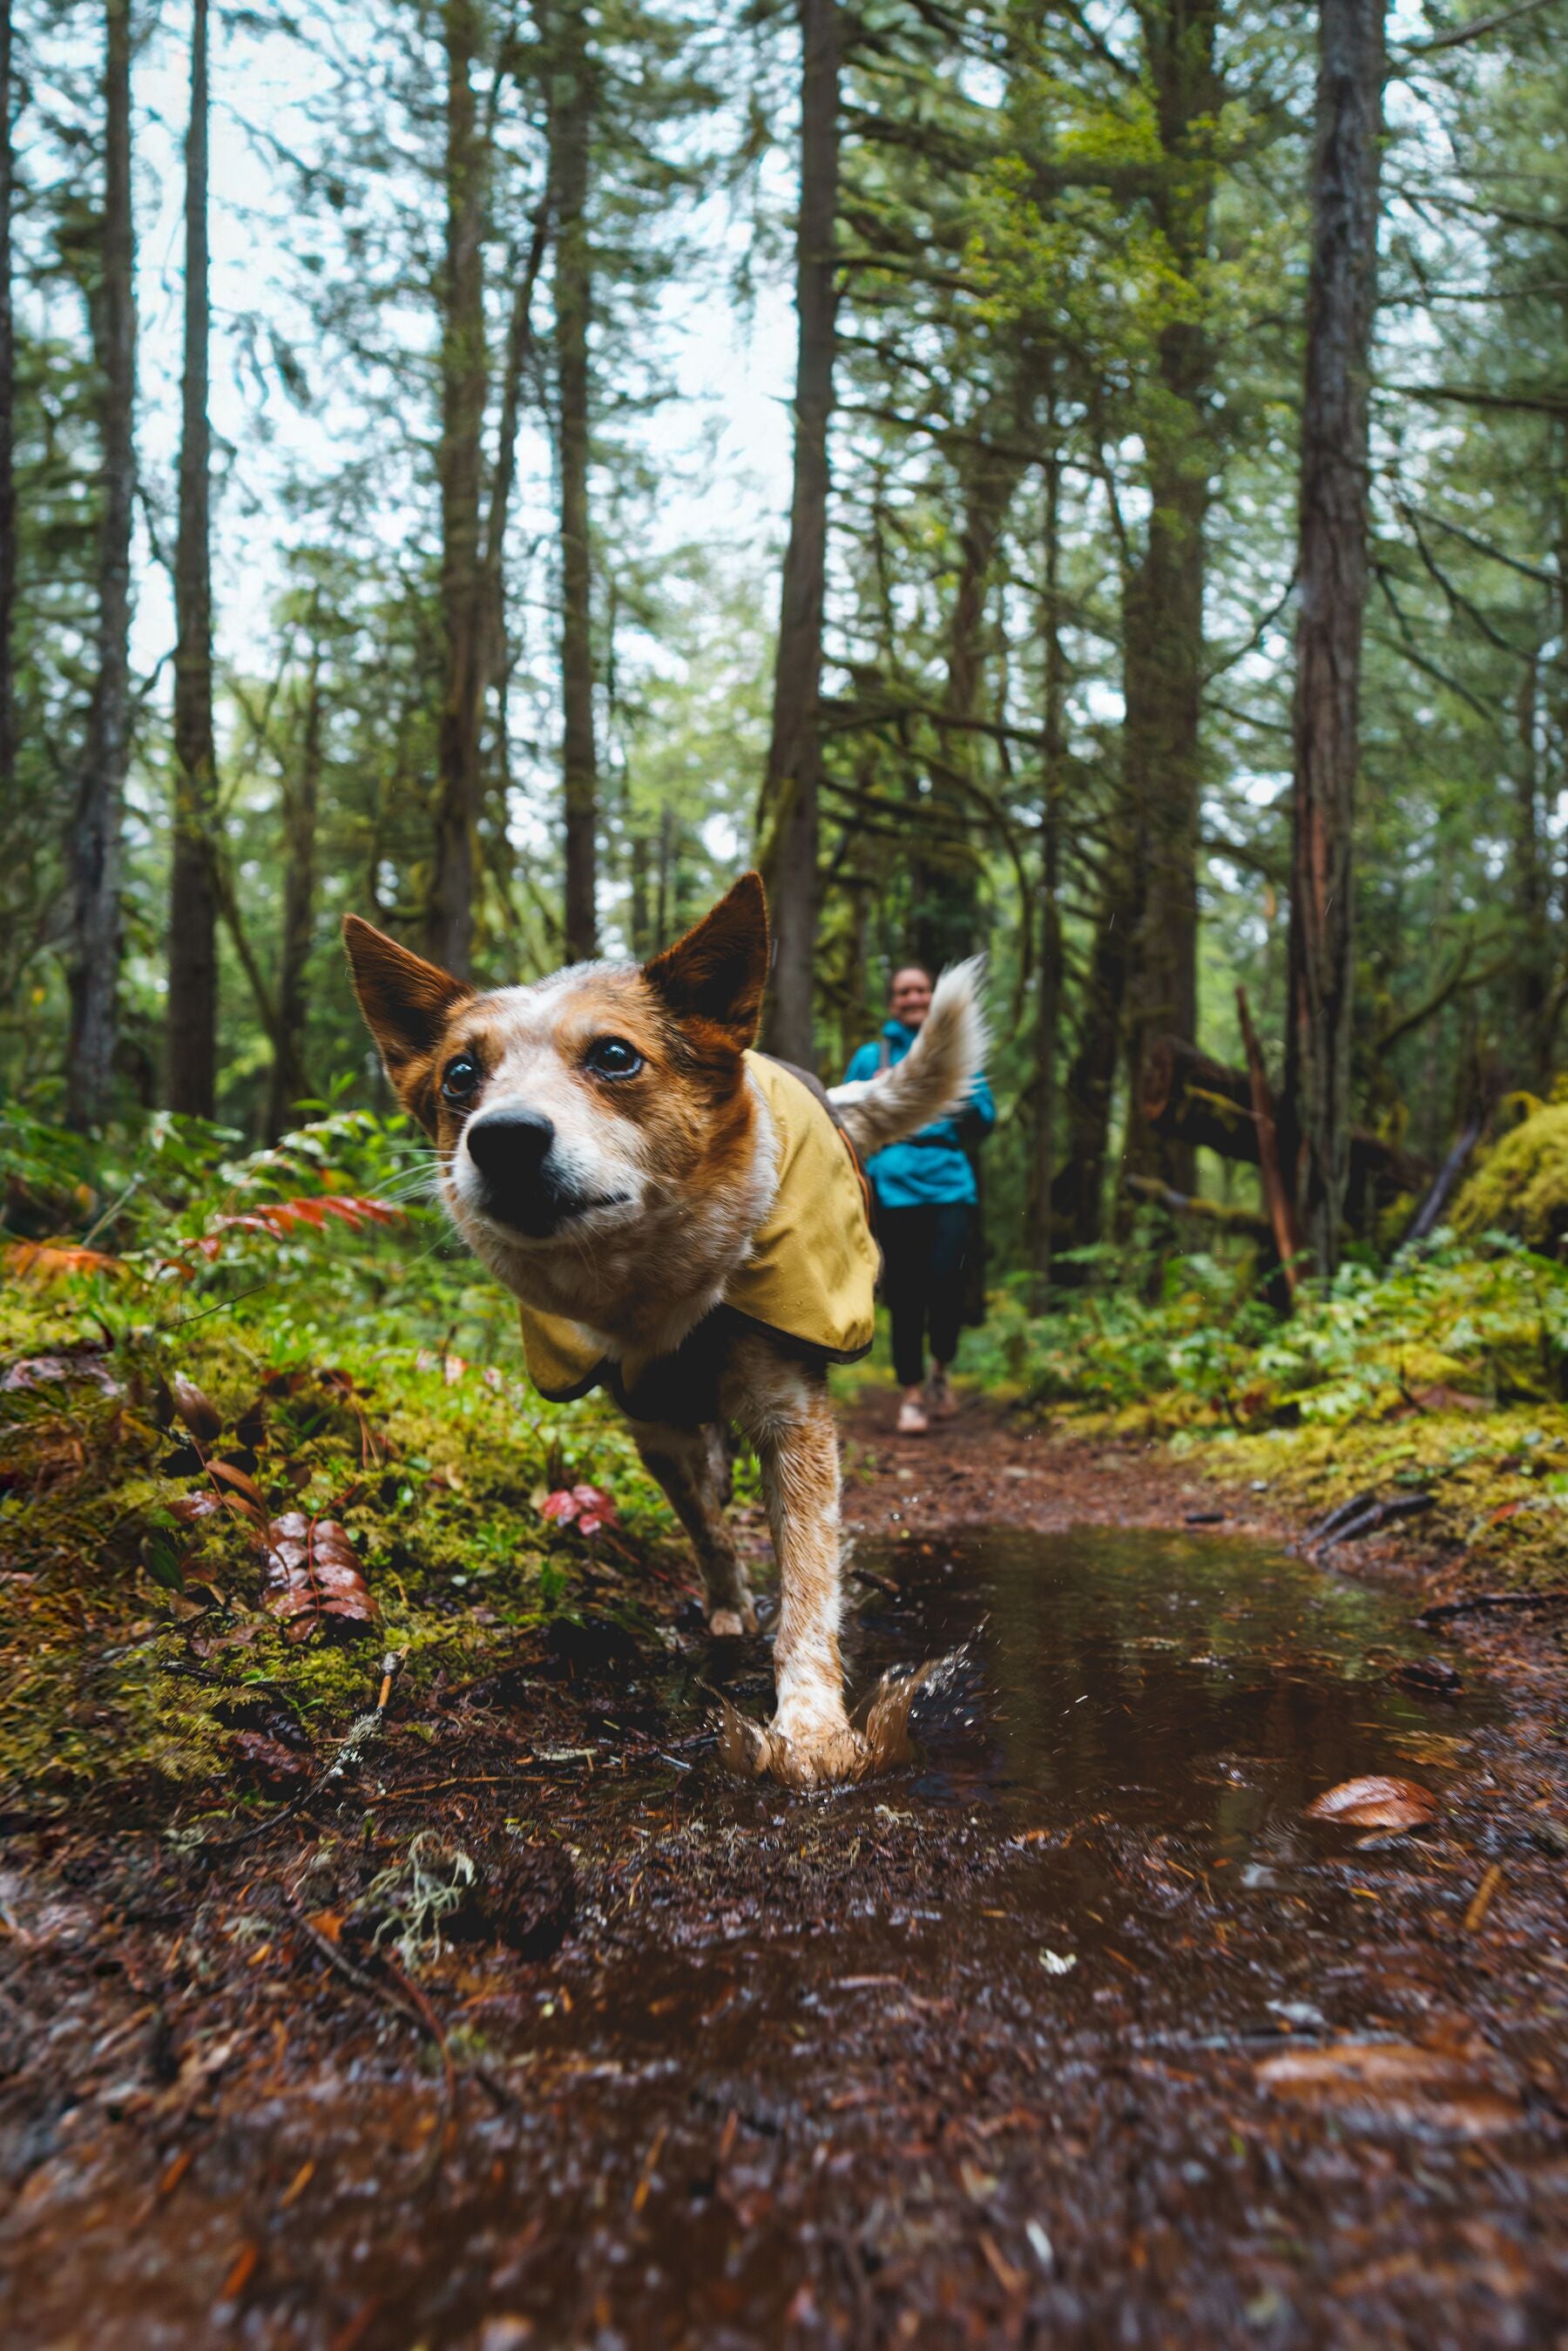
x: 881, y: 1735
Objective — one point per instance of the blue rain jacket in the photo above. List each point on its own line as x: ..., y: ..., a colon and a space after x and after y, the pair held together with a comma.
x: 927, y: 1169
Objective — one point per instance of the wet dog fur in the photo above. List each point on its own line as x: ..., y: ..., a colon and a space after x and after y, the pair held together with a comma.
x: 602, y: 1151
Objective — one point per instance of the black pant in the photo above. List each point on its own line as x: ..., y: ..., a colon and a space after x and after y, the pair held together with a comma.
x: 923, y: 1280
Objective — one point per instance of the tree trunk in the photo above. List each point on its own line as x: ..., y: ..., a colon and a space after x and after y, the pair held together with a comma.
x: 1277, y: 1199
x: 288, y: 1083
x: 7, y: 424
x: 1531, y: 974
x: 1078, y: 1192
x: 191, y: 1035
x: 1333, y: 576
x: 1164, y: 611
x: 1048, y: 1021
x: 496, y: 663
x: 791, y: 788
x: 945, y: 879
x: 570, y: 136
x: 96, y: 834
x: 450, y: 917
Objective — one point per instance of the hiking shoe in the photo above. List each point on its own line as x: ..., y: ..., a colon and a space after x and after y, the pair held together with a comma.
x: 912, y: 1420
x: 940, y: 1401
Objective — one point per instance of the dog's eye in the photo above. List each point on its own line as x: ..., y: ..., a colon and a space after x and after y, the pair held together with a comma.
x: 460, y: 1079
x: 612, y: 1057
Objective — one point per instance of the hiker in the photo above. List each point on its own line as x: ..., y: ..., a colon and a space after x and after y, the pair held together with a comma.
x: 925, y: 1216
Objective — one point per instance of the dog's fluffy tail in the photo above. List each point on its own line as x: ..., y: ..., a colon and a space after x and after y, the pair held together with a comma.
x: 934, y: 1078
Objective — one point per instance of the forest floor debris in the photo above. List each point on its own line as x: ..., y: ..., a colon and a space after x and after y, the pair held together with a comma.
x: 724, y: 2064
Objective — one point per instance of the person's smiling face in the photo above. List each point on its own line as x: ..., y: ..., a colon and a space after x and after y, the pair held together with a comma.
x: 909, y: 1000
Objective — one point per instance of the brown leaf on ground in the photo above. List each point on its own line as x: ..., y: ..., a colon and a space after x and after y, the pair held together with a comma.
x: 49, y: 1371
x: 1392, y: 2081
x: 239, y: 1479
x: 1374, y: 1803
x: 266, y: 1759
x: 190, y: 1509
x: 313, y: 1579
x: 43, y: 1262
x: 1439, y: 1399
x: 196, y: 1408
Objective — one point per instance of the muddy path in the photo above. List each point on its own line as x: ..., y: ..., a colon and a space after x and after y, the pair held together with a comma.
x: 1074, y: 2031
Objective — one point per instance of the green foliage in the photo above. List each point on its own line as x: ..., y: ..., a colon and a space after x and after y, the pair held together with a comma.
x: 367, y: 1373
x: 1492, y: 1323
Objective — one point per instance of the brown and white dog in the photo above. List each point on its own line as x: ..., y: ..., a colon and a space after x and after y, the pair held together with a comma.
x: 606, y: 1149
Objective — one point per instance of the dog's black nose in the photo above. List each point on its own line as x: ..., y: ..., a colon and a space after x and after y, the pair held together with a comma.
x: 511, y: 1150
x: 510, y: 1146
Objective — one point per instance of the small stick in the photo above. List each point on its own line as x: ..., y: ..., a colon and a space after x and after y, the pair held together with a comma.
x: 1481, y: 1900
x: 360, y: 1734
x: 406, y: 2001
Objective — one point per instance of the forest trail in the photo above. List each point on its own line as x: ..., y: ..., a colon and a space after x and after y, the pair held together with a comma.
x: 1077, y: 2031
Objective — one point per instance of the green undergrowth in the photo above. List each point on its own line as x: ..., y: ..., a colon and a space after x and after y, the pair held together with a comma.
x: 1443, y: 1373
x: 353, y: 1368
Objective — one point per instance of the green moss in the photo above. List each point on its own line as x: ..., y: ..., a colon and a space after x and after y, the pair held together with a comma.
x: 1521, y: 1187
x: 135, y: 1643
x: 1500, y: 1481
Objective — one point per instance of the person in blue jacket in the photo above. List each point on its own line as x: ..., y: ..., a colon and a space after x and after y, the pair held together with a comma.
x: 924, y: 1190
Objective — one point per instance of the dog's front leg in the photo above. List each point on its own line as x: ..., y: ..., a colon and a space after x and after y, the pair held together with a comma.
x: 689, y: 1465
x: 791, y: 1426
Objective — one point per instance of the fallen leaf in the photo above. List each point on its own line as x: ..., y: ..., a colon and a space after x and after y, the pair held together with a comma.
x: 242, y: 1484
x: 1393, y: 2082
x: 1010, y: 2278
x: 241, y: 2270
x: 313, y: 1579
x: 196, y: 1409
x: 190, y: 1508
x: 1481, y: 1900
x: 1374, y: 1803
x: 48, y: 1370
x: 43, y: 1262
x: 267, y: 1760
x: 1438, y: 1399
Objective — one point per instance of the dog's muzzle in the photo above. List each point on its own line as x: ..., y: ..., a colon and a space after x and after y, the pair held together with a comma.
x: 511, y: 1149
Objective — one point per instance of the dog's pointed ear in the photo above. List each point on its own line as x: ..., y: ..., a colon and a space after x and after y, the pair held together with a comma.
x: 718, y: 971
x: 406, y: 1003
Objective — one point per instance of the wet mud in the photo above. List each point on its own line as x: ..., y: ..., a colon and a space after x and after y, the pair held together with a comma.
x: 1072, y: 2030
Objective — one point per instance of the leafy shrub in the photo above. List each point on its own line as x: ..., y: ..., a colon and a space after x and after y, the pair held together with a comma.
x: 1488, y: 1319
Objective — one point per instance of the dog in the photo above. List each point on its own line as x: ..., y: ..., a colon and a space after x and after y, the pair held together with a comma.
x: 682, y: 1220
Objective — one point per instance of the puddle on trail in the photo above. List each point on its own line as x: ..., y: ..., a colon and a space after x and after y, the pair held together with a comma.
x: 1142, y: 1720
x: 885, y: 2064
x: 1200, y: 1684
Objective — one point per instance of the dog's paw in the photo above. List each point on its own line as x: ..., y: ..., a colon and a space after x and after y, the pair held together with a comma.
x: 804, y: 1754
x: 817, y: 1759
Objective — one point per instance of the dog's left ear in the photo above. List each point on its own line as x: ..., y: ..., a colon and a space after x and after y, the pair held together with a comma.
x: 718, y: 971
x: 405, y: 1002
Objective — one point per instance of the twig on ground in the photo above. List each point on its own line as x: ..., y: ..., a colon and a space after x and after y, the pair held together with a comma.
x: 1481, y: 1602
x: 360, y: 1734
x: 406, y: 2001
x: 1377, y: 1515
